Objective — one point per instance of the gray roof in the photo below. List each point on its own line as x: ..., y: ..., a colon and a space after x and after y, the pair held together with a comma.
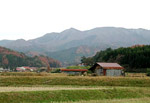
x: 110, y: 65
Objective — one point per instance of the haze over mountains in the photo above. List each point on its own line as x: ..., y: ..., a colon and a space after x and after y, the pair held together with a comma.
x: 69, y: 45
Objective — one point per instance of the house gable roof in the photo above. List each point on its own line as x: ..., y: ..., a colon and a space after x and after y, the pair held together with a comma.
x: 110, y: 65
x: 107, y: 65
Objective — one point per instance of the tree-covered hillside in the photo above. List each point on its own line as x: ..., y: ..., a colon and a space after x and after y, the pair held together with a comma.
x: 12, y: 59
x: 72, y: 56
x: 132, y: 58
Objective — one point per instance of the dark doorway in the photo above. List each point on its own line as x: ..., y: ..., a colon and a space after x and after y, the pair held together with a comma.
x: 104, y: 71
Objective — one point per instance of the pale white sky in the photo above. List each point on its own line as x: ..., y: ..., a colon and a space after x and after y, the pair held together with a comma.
x: 29, y: 19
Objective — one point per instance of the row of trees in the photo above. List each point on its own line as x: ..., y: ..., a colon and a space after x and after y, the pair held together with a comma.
x: 132, y: 58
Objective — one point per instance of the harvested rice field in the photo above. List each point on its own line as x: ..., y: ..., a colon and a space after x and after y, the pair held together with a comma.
x: 52, y: 88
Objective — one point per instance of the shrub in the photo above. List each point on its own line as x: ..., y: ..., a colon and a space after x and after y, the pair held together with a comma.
x: 148, y: 72
x: 78, y: 67
x: 56, y: 71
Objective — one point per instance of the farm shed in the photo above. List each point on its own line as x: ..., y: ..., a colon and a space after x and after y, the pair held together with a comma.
x: 74, y: 71
x: 107, y: 69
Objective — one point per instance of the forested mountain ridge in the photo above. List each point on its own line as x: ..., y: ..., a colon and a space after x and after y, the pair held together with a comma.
x: 72, y: 56
x: 135, y: 57
x: 12, y: 59
x: 95, y: 39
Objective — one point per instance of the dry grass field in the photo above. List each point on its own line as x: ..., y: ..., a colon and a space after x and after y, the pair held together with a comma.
x: 60, y: 88
x: 74, y: 80
x: 135, y: 75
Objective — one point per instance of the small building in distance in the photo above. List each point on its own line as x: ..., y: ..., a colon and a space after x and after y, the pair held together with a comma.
x: 107, y: 69
x: 26, y: 69
x: 74, y: 71
x: 20, y: 69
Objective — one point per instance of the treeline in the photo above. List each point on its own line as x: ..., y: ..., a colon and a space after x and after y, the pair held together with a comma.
x: 136, y: 58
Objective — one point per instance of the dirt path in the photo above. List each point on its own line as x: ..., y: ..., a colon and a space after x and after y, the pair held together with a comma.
x: 14, y: 89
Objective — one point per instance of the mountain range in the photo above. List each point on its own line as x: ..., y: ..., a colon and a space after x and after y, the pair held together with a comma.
x: 70, y: 45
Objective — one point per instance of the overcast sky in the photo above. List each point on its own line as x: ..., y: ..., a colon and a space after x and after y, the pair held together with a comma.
x: 29, y: 19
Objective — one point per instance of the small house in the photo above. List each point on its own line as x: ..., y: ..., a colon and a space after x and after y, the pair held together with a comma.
x: 74, y: 71
x: 107, y: 69
x: 29, y: 69
x: 20, y: 69
x: 25, y: 69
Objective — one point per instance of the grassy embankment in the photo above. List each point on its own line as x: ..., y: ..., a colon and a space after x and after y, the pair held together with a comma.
x: 73, y: 95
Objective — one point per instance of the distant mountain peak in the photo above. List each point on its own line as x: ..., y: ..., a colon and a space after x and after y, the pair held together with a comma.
x: 20, y: 40
x: 70, y: 30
